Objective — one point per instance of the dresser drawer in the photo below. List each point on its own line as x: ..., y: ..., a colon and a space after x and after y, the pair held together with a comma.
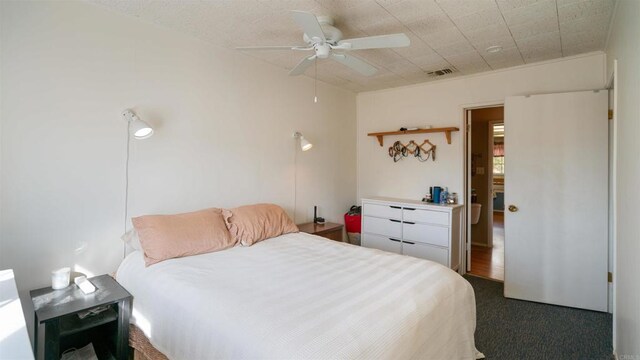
x: 382, y: 243
x: 425, y: 216
x: 423, y: 233
x: 384, y: 227
x: 382, y: 211
x: 427, y: 252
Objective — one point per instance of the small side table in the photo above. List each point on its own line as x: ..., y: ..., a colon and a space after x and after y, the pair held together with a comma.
x: 328, y: 230
x: 58, y: 311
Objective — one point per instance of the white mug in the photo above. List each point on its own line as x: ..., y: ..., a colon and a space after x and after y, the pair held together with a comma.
x: 60, y: 278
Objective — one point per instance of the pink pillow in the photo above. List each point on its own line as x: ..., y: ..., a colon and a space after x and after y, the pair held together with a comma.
x: 252, y: 223
x: 171, y: 236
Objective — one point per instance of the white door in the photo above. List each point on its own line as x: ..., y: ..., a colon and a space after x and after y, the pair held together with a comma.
x: 556, y: 199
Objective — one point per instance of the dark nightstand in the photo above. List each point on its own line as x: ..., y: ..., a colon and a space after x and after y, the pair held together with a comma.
x: 58, y: 310
x: 328, y: 230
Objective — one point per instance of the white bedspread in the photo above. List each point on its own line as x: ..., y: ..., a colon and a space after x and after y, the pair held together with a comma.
x: 299, y: 296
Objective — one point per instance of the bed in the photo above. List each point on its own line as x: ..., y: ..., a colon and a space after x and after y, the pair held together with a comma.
x: 300, y: 296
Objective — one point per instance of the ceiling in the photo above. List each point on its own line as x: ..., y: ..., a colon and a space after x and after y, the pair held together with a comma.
x: 443, y: 33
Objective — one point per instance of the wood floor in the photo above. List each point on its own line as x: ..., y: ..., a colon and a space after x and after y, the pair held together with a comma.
x: 489, y: 262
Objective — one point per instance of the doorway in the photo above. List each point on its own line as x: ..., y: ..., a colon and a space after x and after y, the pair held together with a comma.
x: 485, y: 185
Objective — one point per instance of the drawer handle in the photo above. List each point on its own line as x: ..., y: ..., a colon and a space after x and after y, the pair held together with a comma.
x: 409, y: 242
x: 410, y: 209
x: 394, y: 220
x: 395, y: 207
x: 396, y: 240
x: 409, y: 222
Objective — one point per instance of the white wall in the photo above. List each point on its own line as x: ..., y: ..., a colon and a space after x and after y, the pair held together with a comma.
x: 441, y: 104
x: 623, y: 46
x: 223, y: 122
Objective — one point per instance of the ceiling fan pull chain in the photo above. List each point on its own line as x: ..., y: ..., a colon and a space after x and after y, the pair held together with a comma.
x: 315, y: 81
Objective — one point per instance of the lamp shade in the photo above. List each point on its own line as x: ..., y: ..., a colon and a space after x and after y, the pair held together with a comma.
x: 141, y: 130
x: 305, y: 144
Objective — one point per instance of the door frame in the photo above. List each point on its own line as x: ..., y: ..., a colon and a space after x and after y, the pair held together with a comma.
x: 465, y: 109
x: 612, y: 83
x: 492, y: 123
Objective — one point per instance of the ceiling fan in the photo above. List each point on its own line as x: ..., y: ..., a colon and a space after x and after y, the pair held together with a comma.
x: 321, y: 37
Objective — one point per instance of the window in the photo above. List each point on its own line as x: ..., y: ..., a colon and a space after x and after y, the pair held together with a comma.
x: 498, y: 165
x: 498, y: 149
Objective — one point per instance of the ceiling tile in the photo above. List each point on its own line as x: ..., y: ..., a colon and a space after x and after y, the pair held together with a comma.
x: 418, y: 47
x: 583, y: 37
x: 504, y: 42
x: 581, y: 48
x: 473, y: 68
x: 534, y: 28
x: 441, y: 39
x: 379, y: 56
x: 482, y: 19
x: 581, y: 9
x: 530, y: 13
x: 597, y: 23
x: 403, y: 67
x: 430, y: 62
x: 495, y: 65
x: 459, y: 8
x: 430, y: 25
x: 542, y: 56
x: 540, y: 46
x: 288, y: 5
x: 340, y: 5
x: 456, y: 49
x: 504, y: 55
x: 486, y: 34
x: 411, y: 11
x: 465, y: 59
x: 363, y: 14
x: 385, y: 25
x: 388, y: 2
x: 506, y: 5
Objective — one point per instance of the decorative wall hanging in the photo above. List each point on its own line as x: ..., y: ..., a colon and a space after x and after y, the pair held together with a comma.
x: 399, y: 150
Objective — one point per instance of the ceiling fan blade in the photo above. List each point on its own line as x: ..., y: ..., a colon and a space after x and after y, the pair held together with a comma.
x: 309, y: 24
x: 376, y: 42
x: 355, y: 63
x: 302, y: 66
x: 274, y: 48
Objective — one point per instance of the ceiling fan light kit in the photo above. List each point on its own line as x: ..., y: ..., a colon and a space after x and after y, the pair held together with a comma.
x: 326, y: 41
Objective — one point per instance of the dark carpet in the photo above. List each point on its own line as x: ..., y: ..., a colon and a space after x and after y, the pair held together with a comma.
x: 515, y: 329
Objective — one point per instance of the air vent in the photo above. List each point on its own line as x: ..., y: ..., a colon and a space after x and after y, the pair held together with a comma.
x: 441, y: 72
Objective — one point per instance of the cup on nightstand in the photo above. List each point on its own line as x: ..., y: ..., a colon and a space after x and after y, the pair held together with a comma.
x: 60, y: 278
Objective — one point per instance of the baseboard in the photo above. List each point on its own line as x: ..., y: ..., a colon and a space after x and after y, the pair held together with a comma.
x: 484, y: 277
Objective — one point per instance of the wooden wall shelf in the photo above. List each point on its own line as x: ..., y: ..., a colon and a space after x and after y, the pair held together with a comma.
x: 447, y: 132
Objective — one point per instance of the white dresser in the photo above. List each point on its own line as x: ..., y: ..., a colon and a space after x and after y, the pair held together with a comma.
x: 414, y: 228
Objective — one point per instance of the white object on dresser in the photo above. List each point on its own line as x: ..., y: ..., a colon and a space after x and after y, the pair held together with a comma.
x: 414, y: 228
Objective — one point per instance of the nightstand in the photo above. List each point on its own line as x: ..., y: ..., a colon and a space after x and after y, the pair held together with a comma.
x: 328, y: 230
x: 63, y: 328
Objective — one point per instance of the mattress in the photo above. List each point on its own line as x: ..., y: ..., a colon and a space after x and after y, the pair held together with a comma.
x: 300, y: 296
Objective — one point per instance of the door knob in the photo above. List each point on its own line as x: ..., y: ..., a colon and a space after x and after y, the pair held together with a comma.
x: 513, y: 208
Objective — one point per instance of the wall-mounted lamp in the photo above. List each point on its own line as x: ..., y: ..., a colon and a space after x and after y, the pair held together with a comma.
x: 141, y: 130
x: 304, y: 143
